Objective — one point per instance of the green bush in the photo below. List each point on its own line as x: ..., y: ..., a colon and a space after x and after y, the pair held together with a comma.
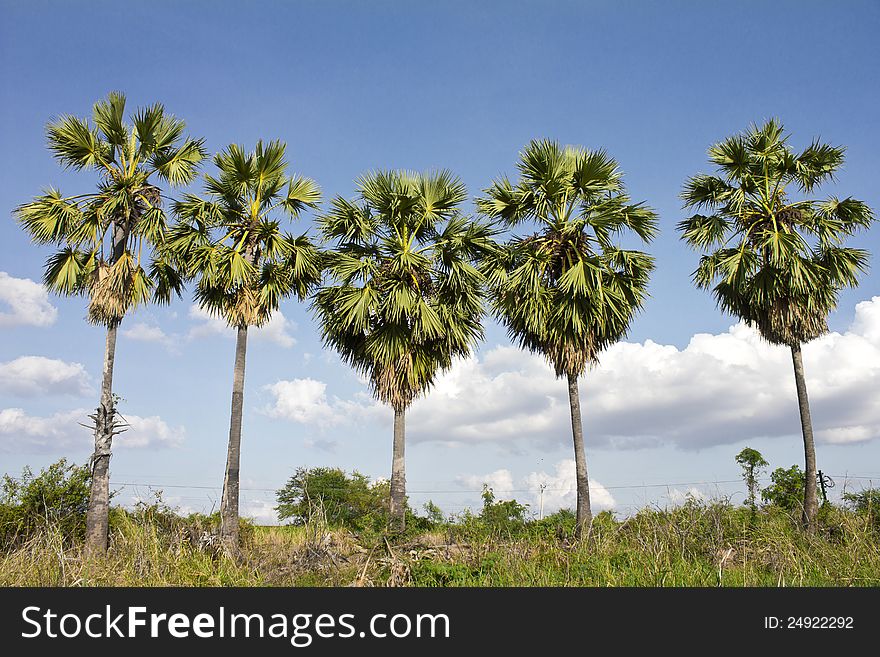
x: 866, y: 502
x: 58, y: 496
x: 343, y: 500
x: 787, y: 488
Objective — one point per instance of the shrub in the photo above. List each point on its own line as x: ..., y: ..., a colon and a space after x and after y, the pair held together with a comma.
x: 787, y: 488
x: 58, y: 496
x: 344, y: 500
x: 504, y: 517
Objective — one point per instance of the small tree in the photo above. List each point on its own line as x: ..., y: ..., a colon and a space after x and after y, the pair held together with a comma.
x: 787, y: 488
x: 752, y: 463
x: 346, y: 500
x: 57, y: 497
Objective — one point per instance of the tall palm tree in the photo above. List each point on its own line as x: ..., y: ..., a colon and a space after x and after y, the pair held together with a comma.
x: 245, y: 265
x: 771, y: 257
x: 404, y: 297
x: 569, y: 290
x: 107, y: 239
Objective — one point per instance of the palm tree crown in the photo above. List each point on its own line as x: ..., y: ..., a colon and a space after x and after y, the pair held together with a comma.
x: 232, y: 241
x: 567, y: 291
x: 405, y: 297
x: 107, y: 235
x: 772, y: 257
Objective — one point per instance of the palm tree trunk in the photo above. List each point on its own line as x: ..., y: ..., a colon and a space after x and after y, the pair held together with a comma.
x: 229, y: 502
x: 811, y: 501
x: 584, y: 514
x: 97, y: 516
x: 398, y: 473
x: 98, y: 513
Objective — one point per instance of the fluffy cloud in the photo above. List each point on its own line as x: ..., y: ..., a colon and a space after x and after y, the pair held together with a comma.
x: 677, y: 496
x: 262, y: 512
x: 27, y: 302
x: 150, y: 431
x: 36, y: 375
x: 24, y: 433
x: 143, y: 332
x: 277, y: 330
x: 560, y: 488
x: 305, y: 401
x: 719, y: 389
x: 500, y: 481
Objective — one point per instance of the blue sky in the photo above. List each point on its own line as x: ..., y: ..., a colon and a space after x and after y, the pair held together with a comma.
x: 354, y: 86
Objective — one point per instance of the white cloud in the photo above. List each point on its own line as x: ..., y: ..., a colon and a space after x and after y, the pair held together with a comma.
x: 143, y: 332
x: 262, y: 512
x: 24, y: 433
x: 677, y: 497
x: 36, y: 375
x: 305, y: 401
x: 560, y: 488
x: 150, y: 431
x: 719, y: 389
x: 27, y: 301
x: 500, y: 481
x: 278, y: 329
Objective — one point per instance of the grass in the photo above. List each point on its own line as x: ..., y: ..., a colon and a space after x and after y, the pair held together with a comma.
x: 697, y: 544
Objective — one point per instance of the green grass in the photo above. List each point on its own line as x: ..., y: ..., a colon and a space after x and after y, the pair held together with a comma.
x: 692, y: 545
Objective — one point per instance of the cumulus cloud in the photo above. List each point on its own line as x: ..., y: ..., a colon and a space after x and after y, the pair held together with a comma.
x: 27, y: 303
x: 677, y: 497
x: 560, y: 488
x: 24, y: 433
x: 278, y: 329
x: 262, y: 512
x: 719, y: 389
x: 500, y: 481
x: 28, y: 376
x: 305, y: 401
x: 143, y: 332
x: 150, y: 431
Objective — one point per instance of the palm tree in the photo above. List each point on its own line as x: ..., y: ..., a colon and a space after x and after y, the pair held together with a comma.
x: 405, y: 297
x: 107, y: 239
x: 245, y: 265
x: 772, y: 258
x: 568, y: 291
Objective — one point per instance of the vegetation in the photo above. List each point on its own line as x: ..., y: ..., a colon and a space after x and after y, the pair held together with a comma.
x: 245, y: 264
x: 399, y: 291
x: 57, y: 498
x: 752, y: 463
x: 696, y: 544
x: 787, y: 488
x: 339, y: 499
x: 569, y: 291
x: 106, y: 238
x: 771, y: 257
x: 403, y: 297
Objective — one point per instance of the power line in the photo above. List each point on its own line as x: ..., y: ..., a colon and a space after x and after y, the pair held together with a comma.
x: 475, y: 490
